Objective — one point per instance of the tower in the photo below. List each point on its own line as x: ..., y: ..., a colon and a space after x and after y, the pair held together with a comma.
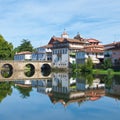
x: 64, y: 34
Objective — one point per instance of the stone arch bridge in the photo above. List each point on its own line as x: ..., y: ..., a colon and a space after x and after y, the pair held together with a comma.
x: 18, y: 68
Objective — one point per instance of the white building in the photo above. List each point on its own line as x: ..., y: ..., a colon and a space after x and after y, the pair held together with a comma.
x: 94, y: 50
x: 64, y: 49
x: 43, y: 53
x: 25, y: 55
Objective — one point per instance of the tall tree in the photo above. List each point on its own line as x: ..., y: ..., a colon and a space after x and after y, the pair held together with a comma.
x: 25, y: 46
x: 6, y: 49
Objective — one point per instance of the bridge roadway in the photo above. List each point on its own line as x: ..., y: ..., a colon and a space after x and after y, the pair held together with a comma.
x: 19, y: 68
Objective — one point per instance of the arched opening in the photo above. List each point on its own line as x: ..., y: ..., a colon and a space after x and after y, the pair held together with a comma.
x: 46, y: 69
x: 29, y: 70
x: 7, y: 70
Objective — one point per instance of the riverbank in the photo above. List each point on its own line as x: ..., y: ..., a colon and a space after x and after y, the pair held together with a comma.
x: 105, y: 72
x: 94, y: 71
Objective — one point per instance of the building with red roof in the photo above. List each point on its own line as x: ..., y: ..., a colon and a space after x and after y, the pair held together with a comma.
x: 112, y: 51
x: 43, y: 53
x: 65, y: 48
x: 24, y: 55
x: 94, y: 50
x: 62, y: 50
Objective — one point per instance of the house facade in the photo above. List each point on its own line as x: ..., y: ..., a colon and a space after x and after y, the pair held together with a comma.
x: 43, y: 53
x: 25, y: 55
x: 112, y: 51
x: 64, y: 49
x: 94, y: 50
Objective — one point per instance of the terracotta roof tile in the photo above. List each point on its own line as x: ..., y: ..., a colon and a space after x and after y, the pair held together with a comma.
x: 112, y: 46
x: 94, y: 51
x: 89, y: 50
x: 92, y: 40
x: 53, y: 39
x: 96, y: 46
x: 24, y: 52
x: 46, y: 46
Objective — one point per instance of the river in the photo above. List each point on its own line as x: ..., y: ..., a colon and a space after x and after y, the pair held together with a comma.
x: 61, y: 97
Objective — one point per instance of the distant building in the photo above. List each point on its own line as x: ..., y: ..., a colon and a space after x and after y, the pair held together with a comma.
x: 24, y: 55
x: 94, y: 50
x: 112, y: 51
x: 43, y: 53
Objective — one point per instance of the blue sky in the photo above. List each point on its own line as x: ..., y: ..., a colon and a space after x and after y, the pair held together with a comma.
x: 39, y: 20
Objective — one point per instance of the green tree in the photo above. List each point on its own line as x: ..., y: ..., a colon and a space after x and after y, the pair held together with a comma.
x: 87, y: 67
x: 6, y: 49
x: 107, y: 64
x: 25, y: 46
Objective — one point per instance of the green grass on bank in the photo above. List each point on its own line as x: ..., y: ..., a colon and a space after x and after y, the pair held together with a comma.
x: 109, y: 71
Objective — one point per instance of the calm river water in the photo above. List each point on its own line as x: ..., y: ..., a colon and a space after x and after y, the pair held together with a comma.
x: 62, y: 97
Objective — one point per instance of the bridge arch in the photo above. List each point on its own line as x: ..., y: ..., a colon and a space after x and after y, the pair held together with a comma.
x: 29, y: 70
x: 45, y: 69
x: 6, y: 70
x: 45, y: 66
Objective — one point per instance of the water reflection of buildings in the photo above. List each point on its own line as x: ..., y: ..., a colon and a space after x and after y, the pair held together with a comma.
x: 62, y: 83
x: 62, y: 88
x: 67, y: 90
x: 43, y: 86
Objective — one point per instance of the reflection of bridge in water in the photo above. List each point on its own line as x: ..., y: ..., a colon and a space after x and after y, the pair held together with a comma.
x: 18, y: 69
x: 20, y: 75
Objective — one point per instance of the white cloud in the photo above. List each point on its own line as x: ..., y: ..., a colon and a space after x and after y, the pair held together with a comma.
x: 38, y: 20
